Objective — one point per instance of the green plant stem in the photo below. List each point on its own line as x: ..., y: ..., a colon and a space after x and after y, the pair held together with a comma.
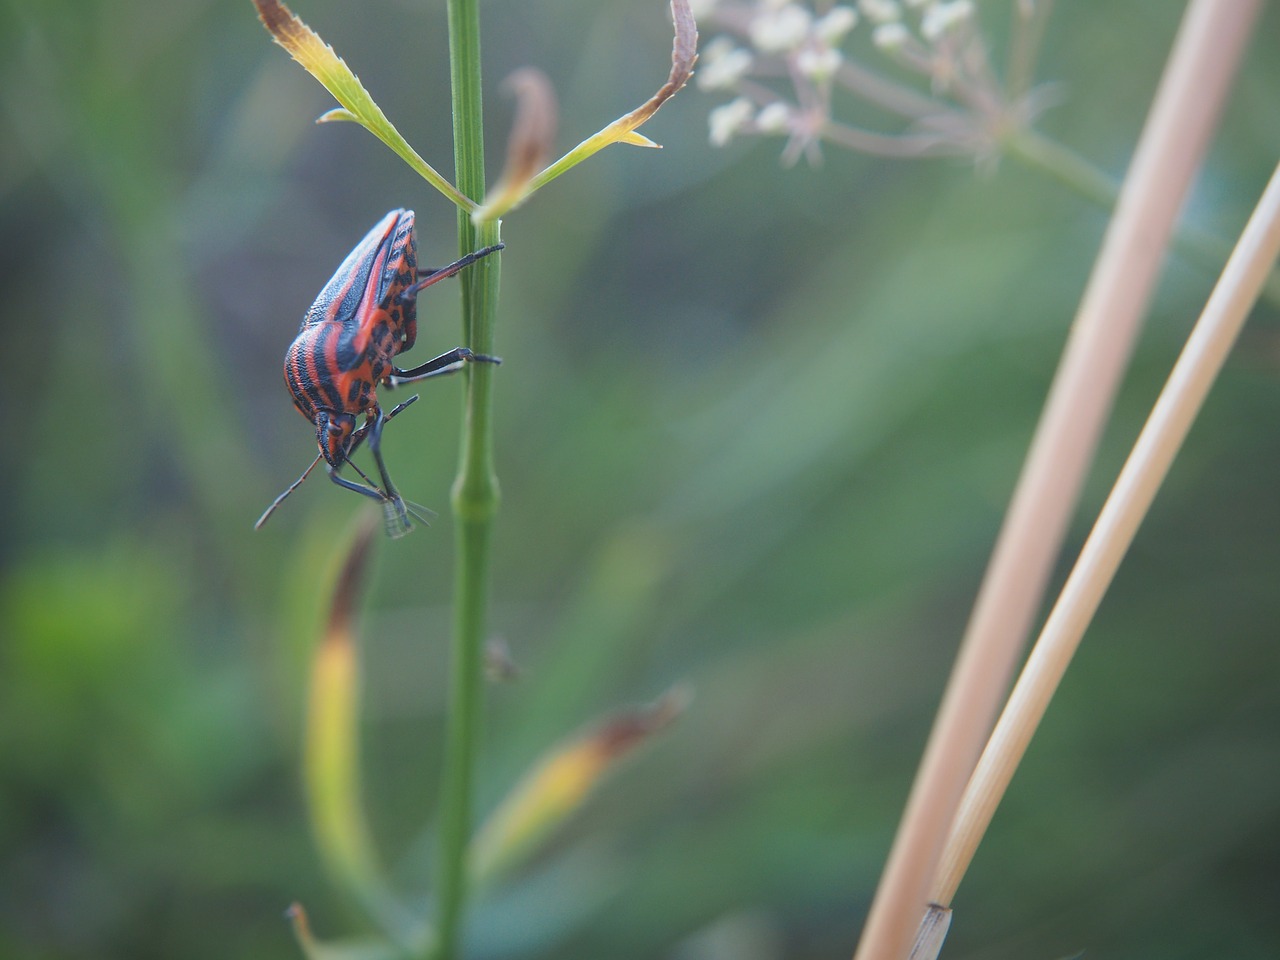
x: 1078, y: 174
x: 475, y: 491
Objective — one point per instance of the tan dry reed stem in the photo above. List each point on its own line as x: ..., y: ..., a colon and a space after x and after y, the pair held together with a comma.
x: 1140, y: 478
x: 1203, y: 60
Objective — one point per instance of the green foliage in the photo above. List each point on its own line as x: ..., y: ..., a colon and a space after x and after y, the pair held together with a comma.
x: 756, y: 428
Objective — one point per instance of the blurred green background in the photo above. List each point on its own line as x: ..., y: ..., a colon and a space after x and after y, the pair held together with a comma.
x: 757, y: 429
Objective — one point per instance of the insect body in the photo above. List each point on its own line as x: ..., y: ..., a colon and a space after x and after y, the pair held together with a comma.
x: 364, y: 317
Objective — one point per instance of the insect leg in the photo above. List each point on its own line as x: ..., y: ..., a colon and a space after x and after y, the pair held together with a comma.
x: 370, y: 491
x: 428, y: 277
x: 400, y: 406
x: 449, y: 362
x: 392, y: 497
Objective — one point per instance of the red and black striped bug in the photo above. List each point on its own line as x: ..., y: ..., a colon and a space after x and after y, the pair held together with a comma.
x: 364, y: 317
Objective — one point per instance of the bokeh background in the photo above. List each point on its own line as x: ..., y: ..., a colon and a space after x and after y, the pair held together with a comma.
x: 757, y: 429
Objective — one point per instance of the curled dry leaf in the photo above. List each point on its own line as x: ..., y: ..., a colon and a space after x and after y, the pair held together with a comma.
x: 529, y: 145
x: 684, y: 53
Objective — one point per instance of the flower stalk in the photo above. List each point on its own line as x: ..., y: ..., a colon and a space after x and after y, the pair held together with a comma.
x: 475, y: 491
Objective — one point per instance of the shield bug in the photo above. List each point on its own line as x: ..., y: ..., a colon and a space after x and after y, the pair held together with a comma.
x: 365, y: 316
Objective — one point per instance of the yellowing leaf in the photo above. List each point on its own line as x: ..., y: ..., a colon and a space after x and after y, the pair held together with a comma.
x: 320, y: 60
x: 331, y: 761
x: 561, y: 781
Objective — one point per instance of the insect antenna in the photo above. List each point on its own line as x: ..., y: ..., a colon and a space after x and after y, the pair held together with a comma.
x: 280, y: 499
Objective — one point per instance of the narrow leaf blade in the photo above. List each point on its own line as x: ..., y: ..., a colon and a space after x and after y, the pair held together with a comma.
x: 561, y: 781
x: 320, y: 60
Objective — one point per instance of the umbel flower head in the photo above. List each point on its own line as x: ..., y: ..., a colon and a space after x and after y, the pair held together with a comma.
x: 785, y: 66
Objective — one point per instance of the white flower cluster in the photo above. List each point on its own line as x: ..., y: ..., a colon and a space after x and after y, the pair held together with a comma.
x: 775, y: 38
x: 809, y: 43
x: 782, y: 59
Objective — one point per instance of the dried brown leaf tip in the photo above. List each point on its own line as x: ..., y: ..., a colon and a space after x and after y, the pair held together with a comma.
x: 276, y: 17
x: 350, y: 582
x: 532, y: 134
x: 684, y: 54
x: 534, y: 128
x: 303, y: 44
x: 623, y: 731
x: 562, y: 780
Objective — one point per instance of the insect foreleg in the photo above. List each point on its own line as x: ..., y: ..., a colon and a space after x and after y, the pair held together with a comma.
x: 375, y: 447
x: 370, y: 491
x: 430, y: 275
x: 450, y: 362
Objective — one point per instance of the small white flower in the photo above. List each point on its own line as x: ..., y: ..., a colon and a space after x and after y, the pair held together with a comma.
x: 703, y: 8
x: 837, y: 22
x: 780, y: 30
x: 890, y: 36
x: 723, y: 65
x: 880, y: 11
x: 775, y: 118
x: 727, y: 120
x: 818, y: 62
x: 941, y: 18
x: 716, y: 48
